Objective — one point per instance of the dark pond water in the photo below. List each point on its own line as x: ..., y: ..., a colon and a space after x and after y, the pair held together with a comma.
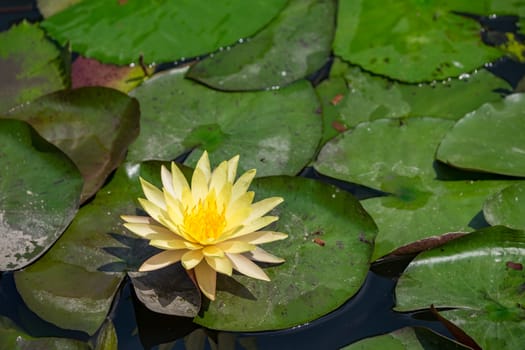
x: 366, y: 314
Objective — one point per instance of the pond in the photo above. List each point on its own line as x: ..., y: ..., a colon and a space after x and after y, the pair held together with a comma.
x: 388, y: 193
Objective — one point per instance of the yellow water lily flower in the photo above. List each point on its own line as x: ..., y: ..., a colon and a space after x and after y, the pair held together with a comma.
x: 209, y: 227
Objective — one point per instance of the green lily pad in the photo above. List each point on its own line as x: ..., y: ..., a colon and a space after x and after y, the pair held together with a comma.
x: 30, y: 65
x: 489, y: 139
x: 107, y: 337
x: 412, y: 40
x: 419, y: 211
x: 92, y: 125
x: 168, y: 31
x: 375, y: 152
x: 13, y: 338
x: 407, y: 339
x: 507, y: 207
x: 481, y: 277
x: 327, y: 256
x: 352, y: 96
x: 276, y: 132
x: 40, y: 190
x: 74, y: 284
x: 295, y: 44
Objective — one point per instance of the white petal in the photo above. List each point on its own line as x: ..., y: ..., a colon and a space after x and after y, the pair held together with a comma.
x: 150, y: 231
x: 232, y: 168
x: 259, y: 254
x: 262, y: 207
x: 179, y: 181
x: 255, y: 225
x: 191, y: 259
x: 161, y: 260
x: 153, y: 194
x: 167, y: 180
x: 206, y: 279
x: 199, y: 185
x: 133, y: 219
x: 241, y: 185
x: 204, y: 165
x: 173, y: 244
x: 222, y: 265
x: 247, y: 267
x: 261, y: 237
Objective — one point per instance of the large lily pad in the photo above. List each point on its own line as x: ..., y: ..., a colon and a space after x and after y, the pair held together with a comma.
x: 40, y: 190
x: 489, y: 139
x: 481, y: 276
x: 507, y: 207
x: 352, y: 96
x: 418, y: 211
x: 168, y: 31
x: 73, y: 285
x: 13, y: 338
x: 92, y: 125
x: 376, y: 153
x: 327, y: 258
x: 407, y: 339
x: 30, y: 65
x: 276, y: 132
x: 412, y: 40
x: 296, y: 44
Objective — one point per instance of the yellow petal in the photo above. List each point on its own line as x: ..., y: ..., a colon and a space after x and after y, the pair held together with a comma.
x: 199, y: 185
x: 167, y: 180
x: 150, y: 231
x: 153, y: 194
x: 232, y: 168
x: 262, y: 207
x: 259, y: 254
x: 161, y: 260
x: 219, y: 177
x: 235, y: 246
x: 133, y: 219
x: 223, y: 197
x: 212, y: 251
x: 174, y: 208
x: 206, y: 279
x: 179, y: 181
x: 222, y: 265
x: 261, y: 237
x: 241, y: 185
x: 173, y: 244
x: 191, y: 259
x: 255, y: 225
x: 204, y: 165
x: 247, y: 267
x: 153, y: 210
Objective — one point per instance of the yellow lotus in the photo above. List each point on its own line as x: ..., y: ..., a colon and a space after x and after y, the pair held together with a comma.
x: 209, y: 227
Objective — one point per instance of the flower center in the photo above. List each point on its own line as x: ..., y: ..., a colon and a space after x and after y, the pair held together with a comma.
x: 204, y: 222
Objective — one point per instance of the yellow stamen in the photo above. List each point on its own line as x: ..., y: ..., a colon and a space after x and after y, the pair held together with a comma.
x: 204, y: 222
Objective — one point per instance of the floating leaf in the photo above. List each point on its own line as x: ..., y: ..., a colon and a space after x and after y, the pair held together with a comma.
x: 488, y: 139
x: 39, y: 197
x: 263, y: 127
x: 294, y: 45
x: 30, y: 65
x: 93, y: 126
x: 481, y: 276
x: 73, y: 285
x: 407, y: 339
x: 13, y: 338
x: 327, y: 255
x: 507, y: 207
x: 375, y: 152
x: 416, y: 212
x: 89, y: 72
x: 412, y: 40
x: 168, y: 31
x: 352, y: 96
